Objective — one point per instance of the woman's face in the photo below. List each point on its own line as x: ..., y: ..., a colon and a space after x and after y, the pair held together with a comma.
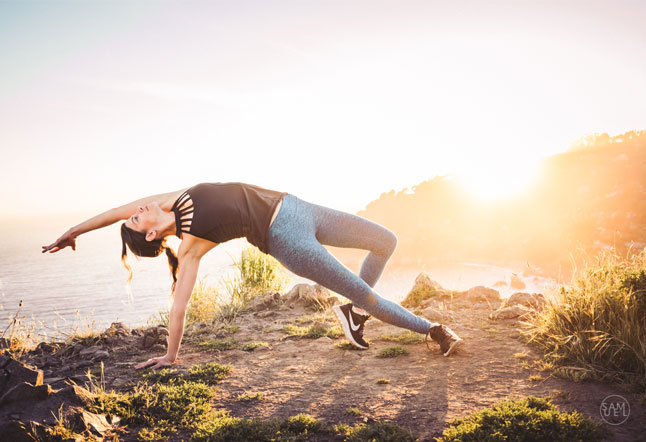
x: 145, y: 218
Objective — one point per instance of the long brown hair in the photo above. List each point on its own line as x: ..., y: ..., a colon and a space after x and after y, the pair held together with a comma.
x: 138, y: 245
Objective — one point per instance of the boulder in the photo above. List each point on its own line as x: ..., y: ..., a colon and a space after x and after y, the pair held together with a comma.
x: 423, y: 280
x: 482, y: 294
x: 262, y: 302
x: 25, y: 392
x: 313, y: 296
x: 75, y: 394
x: 516, y: 282
x: 516, y: 311
x: 533, y: 300
x: 15, y: 372
x: 423, y: 289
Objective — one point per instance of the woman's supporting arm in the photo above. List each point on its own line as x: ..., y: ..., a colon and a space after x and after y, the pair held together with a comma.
x: 186, y: 277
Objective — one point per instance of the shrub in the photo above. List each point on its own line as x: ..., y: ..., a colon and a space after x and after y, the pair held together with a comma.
x: 221, y: 427
x: 598, y: 324
x: 312, y: 332
x: 530, y: 419
x: 392, y: 352
x: 375, y: 431
x: 259, y: 273
x: 217, y: 344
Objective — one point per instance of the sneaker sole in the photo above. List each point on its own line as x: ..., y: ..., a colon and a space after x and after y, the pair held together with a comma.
x: 344, y: 325
x: 453, y: 346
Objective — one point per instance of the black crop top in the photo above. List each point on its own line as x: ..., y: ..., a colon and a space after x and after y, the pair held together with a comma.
x: 219, y: 212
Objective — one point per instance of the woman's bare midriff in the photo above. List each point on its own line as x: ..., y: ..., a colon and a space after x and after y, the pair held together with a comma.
x: 275, y: 212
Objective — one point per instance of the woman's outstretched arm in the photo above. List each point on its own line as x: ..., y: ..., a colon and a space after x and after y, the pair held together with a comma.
x: 105, y: 219
x: 186, y: 277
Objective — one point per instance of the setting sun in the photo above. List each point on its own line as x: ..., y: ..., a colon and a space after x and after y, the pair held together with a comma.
x: 495, y: 182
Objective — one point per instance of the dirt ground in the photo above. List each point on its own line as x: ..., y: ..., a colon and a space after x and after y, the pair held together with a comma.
x: 425, y: 391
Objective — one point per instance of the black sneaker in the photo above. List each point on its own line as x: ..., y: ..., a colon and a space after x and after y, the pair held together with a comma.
x: 352, y: 324
x: 444, y: 336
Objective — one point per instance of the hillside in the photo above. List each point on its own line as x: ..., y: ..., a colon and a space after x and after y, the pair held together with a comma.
x: 590, y: 198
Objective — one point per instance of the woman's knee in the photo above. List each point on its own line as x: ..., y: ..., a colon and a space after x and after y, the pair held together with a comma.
x: 389, y: 243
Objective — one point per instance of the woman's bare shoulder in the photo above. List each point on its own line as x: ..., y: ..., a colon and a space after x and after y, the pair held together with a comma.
x: 167, y: 200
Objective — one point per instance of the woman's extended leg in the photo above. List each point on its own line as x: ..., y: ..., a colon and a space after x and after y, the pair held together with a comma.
x: 292, y: 240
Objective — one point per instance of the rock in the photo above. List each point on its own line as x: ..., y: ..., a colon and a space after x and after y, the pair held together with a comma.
x: 516, y: 311
x: 89, y: 351
x: 83, y: 364
x: 423, y: 280
x: 17, y: 372
x: 96, y: 424
x: 516, y: 282
x: 162, y: 331
x: 25, y: 392
x: 119, y: 382
x: 323, y: 340
x: 148, y: 341
x: 263, y: 302
x: 100, y: 355
x: 75, y: 394
x: 54, y: 380
x: 313, y: 296
x: 534, y: 300
x: 158, y: 348
x: 117, y: 328
x: 44, y: 347
x: 500, y: 284
x: 482, y: 294
x: 4, y: 360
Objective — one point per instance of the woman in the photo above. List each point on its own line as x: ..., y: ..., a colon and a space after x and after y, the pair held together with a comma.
x: 278, y: 223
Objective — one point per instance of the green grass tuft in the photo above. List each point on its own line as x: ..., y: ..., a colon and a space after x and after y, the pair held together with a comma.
x: 392, y: 352
x: 217, y: 344
x: 313, y: 331
x: 407, y: 337
x: 251, y: 346
x: 248, y: 397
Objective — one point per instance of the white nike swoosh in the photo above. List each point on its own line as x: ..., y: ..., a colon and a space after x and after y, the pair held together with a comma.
x: 352, y: 325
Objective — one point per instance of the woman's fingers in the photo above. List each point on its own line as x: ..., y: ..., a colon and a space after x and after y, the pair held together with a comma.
x: 144, y: 364
x: 153, y: 363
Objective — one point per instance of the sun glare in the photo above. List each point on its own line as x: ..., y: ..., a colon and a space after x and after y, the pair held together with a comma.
x: 490, y: 183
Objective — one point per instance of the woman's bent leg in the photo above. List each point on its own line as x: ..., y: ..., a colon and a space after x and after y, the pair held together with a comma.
x: 292, y: 241
x: 340, y: 229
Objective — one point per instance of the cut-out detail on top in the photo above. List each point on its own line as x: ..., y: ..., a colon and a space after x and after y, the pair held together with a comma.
x: 183, y: 209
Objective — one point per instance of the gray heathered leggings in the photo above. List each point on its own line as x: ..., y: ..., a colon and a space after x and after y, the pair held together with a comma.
x: 295, y: 239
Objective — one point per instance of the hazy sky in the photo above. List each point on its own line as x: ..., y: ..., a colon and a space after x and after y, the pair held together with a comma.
x: 335, y: 101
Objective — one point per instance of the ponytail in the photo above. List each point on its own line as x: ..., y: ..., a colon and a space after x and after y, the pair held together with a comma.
x: 138, y: 245
x: 173, y: 263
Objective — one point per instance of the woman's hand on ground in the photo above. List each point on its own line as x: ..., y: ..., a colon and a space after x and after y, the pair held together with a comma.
x: 162, y: 361
x: 64, y: 241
